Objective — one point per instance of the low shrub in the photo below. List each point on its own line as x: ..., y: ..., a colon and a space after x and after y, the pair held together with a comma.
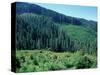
x: 48, y: 60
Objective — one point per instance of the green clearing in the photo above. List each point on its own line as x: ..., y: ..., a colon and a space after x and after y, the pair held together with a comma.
x: 44, y: 60
x: 78, y: 32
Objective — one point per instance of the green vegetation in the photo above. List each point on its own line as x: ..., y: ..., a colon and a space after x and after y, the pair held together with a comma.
x: 44, y: 60
x: 41, y: 32
x: 83, y: 38
x: 48, y: 40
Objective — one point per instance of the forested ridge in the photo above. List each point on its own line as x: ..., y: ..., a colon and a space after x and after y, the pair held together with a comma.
x: 57, y: 17
x: 41, y: 28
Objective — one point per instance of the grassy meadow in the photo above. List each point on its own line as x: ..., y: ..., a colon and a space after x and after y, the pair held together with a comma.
x: 44, y: 60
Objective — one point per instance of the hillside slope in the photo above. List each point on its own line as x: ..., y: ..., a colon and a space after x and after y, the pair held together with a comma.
x: 40, y: 32
x: 22, y: 7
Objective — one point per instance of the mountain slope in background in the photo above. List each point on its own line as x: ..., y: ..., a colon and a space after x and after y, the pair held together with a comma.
x: 22, y: 7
